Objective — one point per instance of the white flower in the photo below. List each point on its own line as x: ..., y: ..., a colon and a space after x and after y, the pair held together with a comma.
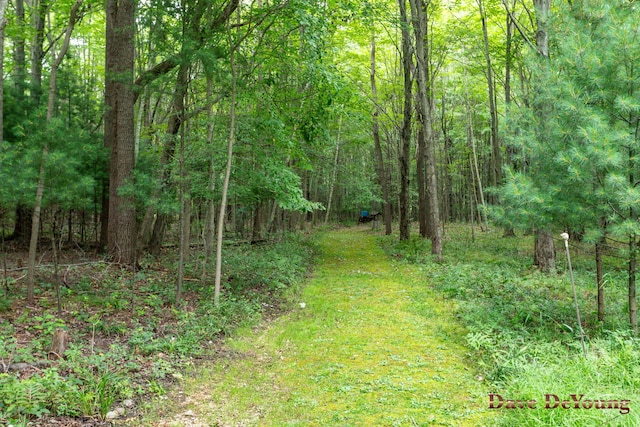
x: 302, y: 305
x: 565, y: 236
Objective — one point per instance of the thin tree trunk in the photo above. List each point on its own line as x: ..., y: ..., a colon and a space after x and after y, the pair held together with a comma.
x: 334, y: 173
x: 382, y: 175
x: 3, y: 24
x: 496, y: 154
x: 421, y: 156
x: 484, y: 224
x: 633, y: 252
x: 227, y: 175
x: 210, y: 215
x: 633, y: 256
x: 35, y: 221
x: 405, y: 151
x: 600, y: 278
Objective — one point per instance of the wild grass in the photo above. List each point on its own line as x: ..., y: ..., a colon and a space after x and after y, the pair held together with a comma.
x: 134, y: 344
x: 521, y: 326
x: 370, y: 346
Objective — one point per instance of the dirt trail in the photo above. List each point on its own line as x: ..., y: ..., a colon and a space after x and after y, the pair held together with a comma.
x: 369, y: 345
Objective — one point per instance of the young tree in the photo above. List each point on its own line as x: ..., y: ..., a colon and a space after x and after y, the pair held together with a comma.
x: 586, y: 112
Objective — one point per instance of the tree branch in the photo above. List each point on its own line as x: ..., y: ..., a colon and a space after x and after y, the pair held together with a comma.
x: 518, y: 27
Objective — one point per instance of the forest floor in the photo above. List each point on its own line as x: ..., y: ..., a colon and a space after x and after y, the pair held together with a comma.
x: 370, y: 344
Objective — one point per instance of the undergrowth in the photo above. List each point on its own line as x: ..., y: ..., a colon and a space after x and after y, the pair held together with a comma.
x: 129, y: 345
x: 521, y: 326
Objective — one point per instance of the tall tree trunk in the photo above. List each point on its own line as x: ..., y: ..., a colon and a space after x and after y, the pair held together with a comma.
x: 496, y: 154
x: 24, y: 214
x: 173, y: 127
x: 382, y: 175
x: 35, y: 221
x: 471, y: 141
x: 19, y: 55
x: 119, y: 128
x: 544, y: 252
x: 41, y: 8
x: 633, y: 256
x: 421, y: 156
x: 334, y: 173
x: 425, y: 107
x: 633, y: 249
x: 405, y: 133
x: 227, y: 175
x: 209, y: 226
x: 3, y: 24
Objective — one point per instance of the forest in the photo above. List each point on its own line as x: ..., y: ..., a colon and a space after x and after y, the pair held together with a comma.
x: 167, y: 168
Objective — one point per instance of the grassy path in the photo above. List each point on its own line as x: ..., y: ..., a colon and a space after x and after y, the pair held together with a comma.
x: 373, y: 346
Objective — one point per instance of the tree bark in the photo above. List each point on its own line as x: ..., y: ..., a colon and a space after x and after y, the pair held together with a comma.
x: 334, y: 173
x: 633, y: 309
x: 496, y: 153
x: 425, y: 107
x: 382, y: 175
x: 119, y: 128
x: 405, y: 133
x: 3, y: 24
x: 544, y: 252
x: 41, y: 9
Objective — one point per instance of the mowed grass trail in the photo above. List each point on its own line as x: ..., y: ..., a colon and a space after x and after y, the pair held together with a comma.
x: 373, y: 346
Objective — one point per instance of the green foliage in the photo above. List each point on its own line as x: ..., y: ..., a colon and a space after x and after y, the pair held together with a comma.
x: 522, y: 329
x: 272, y: 268
x: 576, y: 138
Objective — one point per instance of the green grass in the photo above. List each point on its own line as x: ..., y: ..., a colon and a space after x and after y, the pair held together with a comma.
x: 135, y: 348
x: 373, y: 346
x: 522, y: 325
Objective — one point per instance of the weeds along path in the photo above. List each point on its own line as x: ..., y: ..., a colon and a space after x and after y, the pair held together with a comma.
x: 373, y: 346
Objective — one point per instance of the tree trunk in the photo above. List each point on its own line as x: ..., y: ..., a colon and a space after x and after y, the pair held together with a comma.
x: 633, y: 251
x: 210, y: 215
x: 24, y: 215
x: 173, y: 127
x: 600, y: 278
x: 227, y: 175
x: 496, y: 154
x: 41, y: 9
x: 119, y: 128
x: 633, y: 310
x: 382, y: 175
x: 35, y: 221
x: 425, y: 107
x: 3, y: 24
x: 334, y: 173
x: 405, y: 133
x: 545, y: 251
x: 19, y: 55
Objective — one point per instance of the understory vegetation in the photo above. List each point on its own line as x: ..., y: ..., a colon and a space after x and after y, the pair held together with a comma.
x: 522, y: 329
x: 128, y: 340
